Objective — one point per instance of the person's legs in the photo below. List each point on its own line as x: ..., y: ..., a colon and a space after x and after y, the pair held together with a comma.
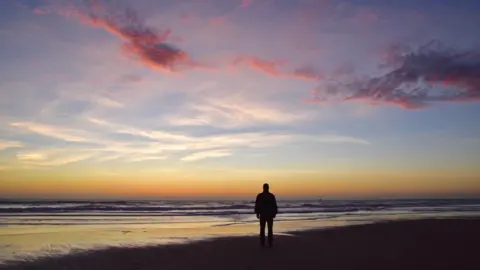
x: 262, y: 231
x: 270, y: 231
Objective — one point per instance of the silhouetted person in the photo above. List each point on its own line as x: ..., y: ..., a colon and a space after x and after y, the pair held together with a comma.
x: 266, y: 210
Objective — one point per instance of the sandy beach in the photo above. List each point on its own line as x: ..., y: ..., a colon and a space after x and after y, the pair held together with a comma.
x: 415, y: 244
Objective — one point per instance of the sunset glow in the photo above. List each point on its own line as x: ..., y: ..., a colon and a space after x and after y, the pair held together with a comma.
x: 203, y: 99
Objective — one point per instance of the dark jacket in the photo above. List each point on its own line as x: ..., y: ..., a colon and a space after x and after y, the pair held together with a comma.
x: 266, y: 205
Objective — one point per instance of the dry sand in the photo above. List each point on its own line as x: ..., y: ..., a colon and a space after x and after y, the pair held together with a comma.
x: 421, y: 244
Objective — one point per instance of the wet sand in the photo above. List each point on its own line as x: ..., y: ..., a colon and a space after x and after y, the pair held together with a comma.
x: 417, y: 244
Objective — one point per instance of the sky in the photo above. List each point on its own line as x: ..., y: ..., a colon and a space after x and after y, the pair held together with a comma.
x: 212, y: 98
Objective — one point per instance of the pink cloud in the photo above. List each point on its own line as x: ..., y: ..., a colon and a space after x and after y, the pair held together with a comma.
x: 217, y: 20
x: 246, y: 3
x: 275, y: 68
x: 41, y: 11
x: 269, y: 67
x: 146, y: 44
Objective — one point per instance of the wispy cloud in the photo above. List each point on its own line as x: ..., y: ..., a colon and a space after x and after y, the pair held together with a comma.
x: 189, y: 121
x: 276, y: 68
x: 9, y: 144
x: 158, y: 147
x: 108, y: 102
x: 245, y: 140
x: 65, y: 159
x: 207, y: 154
x: 159, y: 144
x: 48, y: 157
x: 169, y: 141
x: 107, y: 150
x: 150, y: 134
x: 234, y: 112
x: 147, y: 158
x: 65, y: 134
x: 340, y: 139
x: 32, y: 156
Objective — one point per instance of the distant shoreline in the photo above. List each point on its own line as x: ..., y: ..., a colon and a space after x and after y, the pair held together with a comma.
x: 409, y: 244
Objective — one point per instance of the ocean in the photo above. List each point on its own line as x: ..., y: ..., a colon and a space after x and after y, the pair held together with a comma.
x: 30, y: 229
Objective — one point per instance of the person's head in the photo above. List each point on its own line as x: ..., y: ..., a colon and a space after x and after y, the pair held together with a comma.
x: 265, y: 187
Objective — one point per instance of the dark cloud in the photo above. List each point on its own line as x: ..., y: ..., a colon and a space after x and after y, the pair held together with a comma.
x: 417, y: 77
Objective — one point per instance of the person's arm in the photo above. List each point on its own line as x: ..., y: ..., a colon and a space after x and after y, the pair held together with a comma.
x: 275, y: 207
x: 257, y: 210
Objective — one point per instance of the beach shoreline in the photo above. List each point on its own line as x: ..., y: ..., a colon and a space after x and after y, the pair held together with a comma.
x: 408, y: 244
